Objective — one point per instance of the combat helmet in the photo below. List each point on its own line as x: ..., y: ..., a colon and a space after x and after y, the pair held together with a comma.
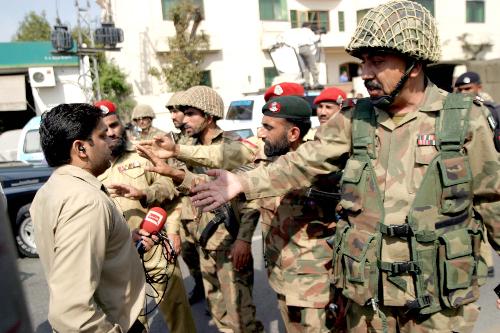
x: 142, y: 111
x: 203, y: 98
x: 174, y: 100
x: 403, y: 26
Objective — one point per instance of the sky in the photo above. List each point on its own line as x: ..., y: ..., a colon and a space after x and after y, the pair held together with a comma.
x: 13, y: 12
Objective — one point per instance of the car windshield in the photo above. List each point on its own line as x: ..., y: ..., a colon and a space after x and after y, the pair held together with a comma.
x: 240, y: 110
x: 32, y: 142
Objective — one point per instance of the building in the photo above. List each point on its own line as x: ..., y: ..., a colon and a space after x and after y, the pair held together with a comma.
x: 242, y: 31
x: 33, y: 80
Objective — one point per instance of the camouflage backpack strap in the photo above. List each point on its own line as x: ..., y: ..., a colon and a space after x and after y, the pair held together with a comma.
x: 450, y: 170
x: 363, y: 129
x: 453, y: 124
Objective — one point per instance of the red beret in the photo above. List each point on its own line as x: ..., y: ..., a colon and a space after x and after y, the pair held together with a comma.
x: 284, y: 89
x: 106, y: 106
x: 331, y: 94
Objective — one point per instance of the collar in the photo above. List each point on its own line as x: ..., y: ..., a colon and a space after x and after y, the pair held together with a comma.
x: 79, y: 173
x: 218, y: 132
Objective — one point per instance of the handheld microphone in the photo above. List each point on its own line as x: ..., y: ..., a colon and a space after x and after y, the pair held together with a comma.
x: 153, y: 222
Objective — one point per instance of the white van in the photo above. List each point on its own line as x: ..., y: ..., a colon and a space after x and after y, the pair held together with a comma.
x: 29, y: 148
x: 244, y: 116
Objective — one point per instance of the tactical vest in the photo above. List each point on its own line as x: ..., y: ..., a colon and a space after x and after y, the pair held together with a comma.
x: 441, y: 230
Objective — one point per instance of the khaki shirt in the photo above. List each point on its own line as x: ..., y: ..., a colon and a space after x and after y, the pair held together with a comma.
x: 399, y: 166
x: 160, y: 191
x: 93, y: 270
x: 153, y: 131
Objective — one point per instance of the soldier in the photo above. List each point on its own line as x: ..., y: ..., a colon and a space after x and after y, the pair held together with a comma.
x: 135, y: 191
x: 228, y: 288
x: 295, y: 227
x: 470, y: 83
x: 420, y: 182
x: 188, y: 245
x: 328, y: 103
x: 142, y: 116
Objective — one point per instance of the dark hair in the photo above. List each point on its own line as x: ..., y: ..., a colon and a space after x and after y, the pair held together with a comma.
x: 304, y: 125
x: 64, y: 124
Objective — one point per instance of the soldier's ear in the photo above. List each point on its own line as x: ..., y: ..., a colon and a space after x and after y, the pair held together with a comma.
x: 293, y: 134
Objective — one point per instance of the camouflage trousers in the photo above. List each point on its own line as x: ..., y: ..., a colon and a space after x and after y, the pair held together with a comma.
x: 304, y: 320
x: 170, y: 294
x: 229, y: 293
x: 361, y: 319
x: 189, y: 251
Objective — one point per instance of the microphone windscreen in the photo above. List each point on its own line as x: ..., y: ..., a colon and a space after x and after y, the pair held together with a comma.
x: 154, y: 220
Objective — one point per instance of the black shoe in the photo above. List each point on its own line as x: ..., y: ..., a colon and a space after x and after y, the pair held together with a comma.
x: 491, y: 271
x: 196, y: 295
x: 318, y: 86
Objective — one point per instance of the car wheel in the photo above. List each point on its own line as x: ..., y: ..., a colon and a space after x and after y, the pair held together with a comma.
x: 25, y: 237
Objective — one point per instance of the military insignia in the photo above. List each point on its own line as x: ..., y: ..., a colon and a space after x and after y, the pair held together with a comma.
x: 275, y: 107
x: 278, y: 90
x: 426, y: 140
x: 128, y: 166
x: 466, y: 80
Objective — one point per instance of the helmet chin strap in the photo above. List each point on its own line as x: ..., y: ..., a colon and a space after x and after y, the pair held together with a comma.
x: 384, y: 101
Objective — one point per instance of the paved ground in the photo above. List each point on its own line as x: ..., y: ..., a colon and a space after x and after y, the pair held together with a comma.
x: 37, y: 296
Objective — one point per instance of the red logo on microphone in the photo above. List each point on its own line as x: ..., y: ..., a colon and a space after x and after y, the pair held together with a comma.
x: 153, y: 217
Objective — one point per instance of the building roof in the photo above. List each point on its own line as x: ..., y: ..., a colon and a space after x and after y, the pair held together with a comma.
x: 32, y: 54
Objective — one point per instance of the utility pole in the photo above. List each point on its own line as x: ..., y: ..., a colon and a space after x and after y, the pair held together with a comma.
x: 89, y: 73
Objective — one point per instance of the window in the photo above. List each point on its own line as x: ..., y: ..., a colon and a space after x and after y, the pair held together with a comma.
x: 273, y: 10
x: 206, y: 78
x: 361, y: 13
x: 341, y: 22
x: 167, y: 4
x: 318, y: 19
x: 269, y: 74
x: 428, y: 4
x: 240, y: 110
x: 474, y: 11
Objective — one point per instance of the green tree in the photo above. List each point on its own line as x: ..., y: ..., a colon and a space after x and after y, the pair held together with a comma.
x: 114, y: 87
x: 182, y: 69
x: 33, y: 27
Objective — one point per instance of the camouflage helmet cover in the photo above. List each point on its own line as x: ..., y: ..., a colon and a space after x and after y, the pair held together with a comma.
x: 142, y: 111
x: 203, y: 98
x: 174, y: 99
x: 403, y: 26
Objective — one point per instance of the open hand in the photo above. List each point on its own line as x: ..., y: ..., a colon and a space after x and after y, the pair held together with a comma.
x: 162, y: 146
x: 124, y: 190
x: 217, y: 192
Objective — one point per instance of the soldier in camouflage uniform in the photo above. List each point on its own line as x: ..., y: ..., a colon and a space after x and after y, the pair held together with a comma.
x: 135, y: 191
x: 295, y: 227
x: 142, y: 116
x: 421, y: 180
x: 188, y: 245
x: 228, y: 288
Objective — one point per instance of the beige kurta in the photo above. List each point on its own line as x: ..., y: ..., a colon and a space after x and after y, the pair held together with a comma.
x: 94, y: 273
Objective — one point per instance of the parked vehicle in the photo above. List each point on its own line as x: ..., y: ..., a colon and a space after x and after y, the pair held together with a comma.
x: 29, y: 148
x: 20, y: 181
x: 244, y: 116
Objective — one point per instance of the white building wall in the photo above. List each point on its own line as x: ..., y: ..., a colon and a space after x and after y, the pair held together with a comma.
x: 238, y: 40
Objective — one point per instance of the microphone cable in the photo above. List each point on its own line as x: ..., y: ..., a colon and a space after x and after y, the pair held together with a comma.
x: 156, y: 273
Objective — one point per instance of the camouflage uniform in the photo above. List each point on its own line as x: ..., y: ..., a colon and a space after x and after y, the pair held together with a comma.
x: 128, y: 169
x: 399, y: 170
x: 141, y: 111
x: 228, y: 292
x: 295, y: 231
x: 417, y: 188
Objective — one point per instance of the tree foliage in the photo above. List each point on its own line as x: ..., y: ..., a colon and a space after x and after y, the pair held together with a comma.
x: 182, y: 69
x: 34, y: 27
x: 114, y: 86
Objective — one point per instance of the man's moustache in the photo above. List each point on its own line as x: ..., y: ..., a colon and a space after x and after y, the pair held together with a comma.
x: 372, y: 85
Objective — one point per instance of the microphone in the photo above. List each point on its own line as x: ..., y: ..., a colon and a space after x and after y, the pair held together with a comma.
x: 153, y: 223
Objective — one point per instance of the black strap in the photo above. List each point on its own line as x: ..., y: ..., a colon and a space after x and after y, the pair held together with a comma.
x: 393, y: 230
x: 210, y: 229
